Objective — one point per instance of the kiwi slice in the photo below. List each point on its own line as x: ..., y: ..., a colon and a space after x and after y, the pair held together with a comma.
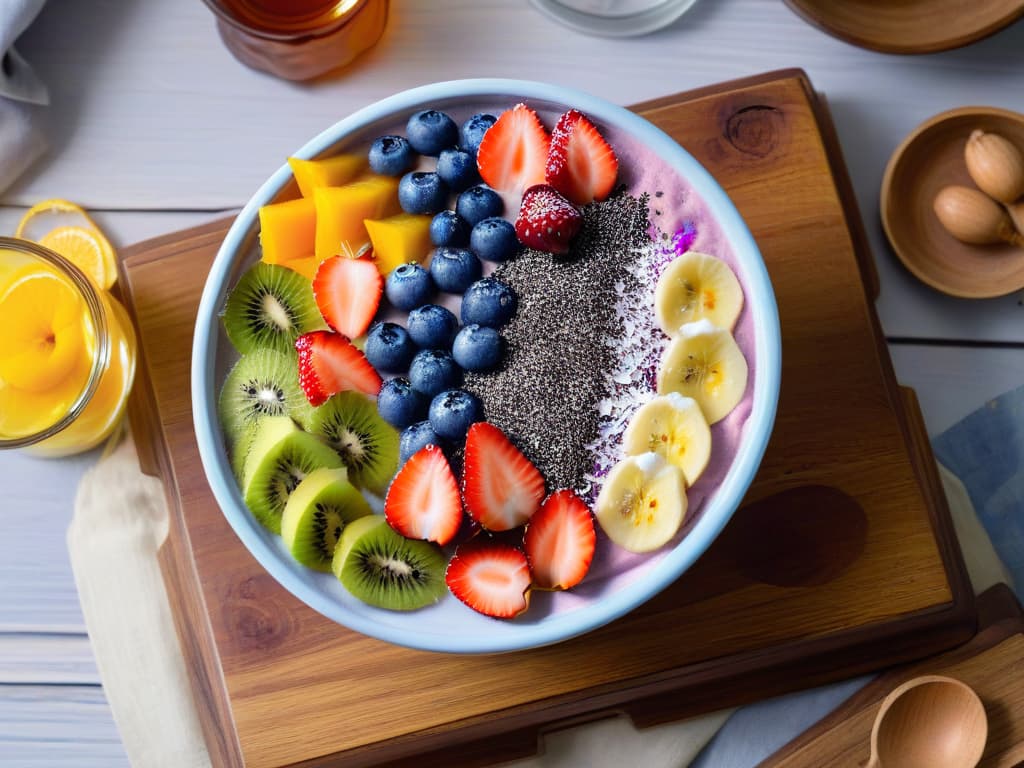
x: 317, y: 512
x: 270, y: 307
x: 240, y: 450
x: 387, y: 570
x: 280, y: 458
x: 367, y: 444
x: 262, y: 383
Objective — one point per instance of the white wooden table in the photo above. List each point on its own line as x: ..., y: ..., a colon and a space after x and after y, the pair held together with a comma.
x: 155, y: 127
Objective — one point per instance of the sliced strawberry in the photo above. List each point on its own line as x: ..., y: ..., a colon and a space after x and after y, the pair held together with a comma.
x: 328, y: 364
x: 547, y: 221
x: 500, y: 487
x: 348, y: 293
x: 423, y: 499
x: 491, y: 578
x: 581, y: 164
x: 560, y: 541
x: 514, y: 151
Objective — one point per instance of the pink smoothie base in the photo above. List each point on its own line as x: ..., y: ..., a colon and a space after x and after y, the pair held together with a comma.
x: 681, y: 211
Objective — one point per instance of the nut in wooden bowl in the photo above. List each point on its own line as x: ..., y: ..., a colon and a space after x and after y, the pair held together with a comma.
x: 930, y: 159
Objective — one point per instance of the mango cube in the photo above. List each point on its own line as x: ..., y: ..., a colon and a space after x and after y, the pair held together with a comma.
x: 340, y: 212
x: 329, y: 172
x: 400, y: 239
x: 287, y: 230
x: 306, y: 267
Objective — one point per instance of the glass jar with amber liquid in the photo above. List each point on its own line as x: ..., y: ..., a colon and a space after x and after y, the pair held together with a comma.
x: 299, y: 39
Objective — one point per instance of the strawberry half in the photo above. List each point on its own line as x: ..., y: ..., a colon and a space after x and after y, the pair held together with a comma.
x: 423, y: 499
x: 581, y: 164
x: 500, y: 487
x: 547, y: 221
x: 491, y: 578
x: 328, y: 364
x: 560, y: 541
x: 514, y: 151
x: 348, y: 291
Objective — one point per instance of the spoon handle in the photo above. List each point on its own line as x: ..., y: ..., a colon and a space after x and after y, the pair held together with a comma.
x: 873, y: 762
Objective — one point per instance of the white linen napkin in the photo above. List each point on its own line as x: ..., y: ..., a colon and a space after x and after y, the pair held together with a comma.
x: 22, y: 94
x: 120, y: 521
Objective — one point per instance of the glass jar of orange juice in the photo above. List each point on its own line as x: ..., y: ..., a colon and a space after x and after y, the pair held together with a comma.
x: 67, y: 353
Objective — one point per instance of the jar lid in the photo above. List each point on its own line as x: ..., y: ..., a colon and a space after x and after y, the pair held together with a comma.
x: 614, y: 18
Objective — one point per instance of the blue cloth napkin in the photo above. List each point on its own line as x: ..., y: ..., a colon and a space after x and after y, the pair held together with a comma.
x: 986, y: 451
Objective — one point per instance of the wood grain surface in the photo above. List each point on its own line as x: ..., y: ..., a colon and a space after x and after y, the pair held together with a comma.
x: 911, y: 26
x: 847, y: 441
x: 990, y: 663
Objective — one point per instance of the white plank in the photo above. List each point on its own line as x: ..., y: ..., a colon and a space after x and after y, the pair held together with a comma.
x: 951, y: 382
x: 150, y: 111
x: 37, y: 659
x: 37, y: 590
x: 124, y: 227
x: 57, y: 726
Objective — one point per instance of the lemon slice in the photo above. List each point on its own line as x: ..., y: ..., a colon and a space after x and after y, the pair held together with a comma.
x: 84, y: 245
x: 44, y: 335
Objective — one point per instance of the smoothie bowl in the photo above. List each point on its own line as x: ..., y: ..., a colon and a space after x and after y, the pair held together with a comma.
x: 486, y: 366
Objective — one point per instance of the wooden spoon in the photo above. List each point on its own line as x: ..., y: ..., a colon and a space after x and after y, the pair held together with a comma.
x: 929, y: 722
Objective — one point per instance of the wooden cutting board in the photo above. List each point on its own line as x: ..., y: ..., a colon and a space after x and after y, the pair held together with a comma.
x: 992, y: 663
x: 842, y: 559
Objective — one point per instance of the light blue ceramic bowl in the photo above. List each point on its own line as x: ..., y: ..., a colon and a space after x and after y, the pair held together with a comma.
x: 449, y: 626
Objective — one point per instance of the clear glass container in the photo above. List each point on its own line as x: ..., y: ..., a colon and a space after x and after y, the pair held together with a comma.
x: 299, y: 39
x: 614, y: 18
x: 67, y: 354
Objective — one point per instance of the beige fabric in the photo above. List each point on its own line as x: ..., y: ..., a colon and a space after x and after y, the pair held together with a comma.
x: 120, y: 520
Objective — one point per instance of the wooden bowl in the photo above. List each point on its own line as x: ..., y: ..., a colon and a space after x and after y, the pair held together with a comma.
x: 929, y: 159
x: 909, y: 26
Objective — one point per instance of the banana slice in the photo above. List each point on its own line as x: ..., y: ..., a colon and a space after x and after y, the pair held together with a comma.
x: 705, y: 363
x: 674, y: 427
x: 696, y: 286
x: 642, y: 503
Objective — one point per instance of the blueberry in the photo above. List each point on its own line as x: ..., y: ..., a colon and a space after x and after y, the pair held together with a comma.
x: 478, y: 203
x: 432, y: 327
x: 494, y: 239
x: 399, y: 404
x: 448, y: 228
x: 391, y: 155
x: 477, y: 348
x: 452, y: 412
x: 433, y: 371
x: 431, y: 131
x: 454, y: 269
x: 420, y: 192
x: 389, y: 347
x: 415, y: 438
x: 457, y: 169
x: 473, y: 130
x: 488, y: 302
x: 408, y: 286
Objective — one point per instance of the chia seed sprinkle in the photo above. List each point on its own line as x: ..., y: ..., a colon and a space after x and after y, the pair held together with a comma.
x: 564, y: 343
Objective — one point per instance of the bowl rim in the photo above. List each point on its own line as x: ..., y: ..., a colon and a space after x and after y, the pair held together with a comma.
x: 723, y: 503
